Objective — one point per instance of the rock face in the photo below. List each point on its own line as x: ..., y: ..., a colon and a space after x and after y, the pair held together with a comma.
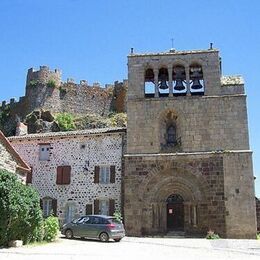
x: 41, y: 121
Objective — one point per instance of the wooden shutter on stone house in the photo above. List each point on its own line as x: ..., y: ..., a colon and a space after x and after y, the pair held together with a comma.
x: 54, y: 207
x: 88, y: 209
x: 96, y: 206
x: 59, y: 175
x: 112, y: 174
x: 29, y: 176
x: 111, y: 207
x: 66, y: 170
x: 96, y: 174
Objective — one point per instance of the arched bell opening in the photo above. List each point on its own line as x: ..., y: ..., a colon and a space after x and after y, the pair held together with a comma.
x: 197, y: 81
x: 149, y: 84
x: 175, y: 212
x: 179, y: 81
x: 163, y: 82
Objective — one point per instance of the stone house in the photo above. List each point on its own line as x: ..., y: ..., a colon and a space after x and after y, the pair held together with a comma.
x: 188, y: 164
x: 75, y: 173
x: 11, y: 161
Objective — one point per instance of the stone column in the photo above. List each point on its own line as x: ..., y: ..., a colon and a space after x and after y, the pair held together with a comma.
x: 170, y: 81
x: 194, y: 215
x: 156, y: 73
x: 187, y: 73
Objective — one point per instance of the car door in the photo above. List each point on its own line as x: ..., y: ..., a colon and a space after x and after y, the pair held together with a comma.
x: 85, y: 227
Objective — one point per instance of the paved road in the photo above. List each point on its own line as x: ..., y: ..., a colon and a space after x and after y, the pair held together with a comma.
x: 136, y: 248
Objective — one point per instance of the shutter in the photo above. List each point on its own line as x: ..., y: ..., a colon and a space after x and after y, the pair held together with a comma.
x: 54, y: 207
x: 96, y: 174
x: 29, y: 176
x: 41, y: 204
x: 111, y: 207
x: 96, y: 206
x: 112, y: 174
x: 66, y: 170
x: 59, y: 175
x: 88, y: 209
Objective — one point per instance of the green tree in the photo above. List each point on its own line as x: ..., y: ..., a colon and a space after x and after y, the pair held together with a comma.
x: 21, y: 215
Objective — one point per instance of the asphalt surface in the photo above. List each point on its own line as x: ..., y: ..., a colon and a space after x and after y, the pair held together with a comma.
x: 136, y: 248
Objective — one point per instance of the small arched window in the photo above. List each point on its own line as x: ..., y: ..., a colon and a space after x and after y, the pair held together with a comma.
x: 171, y: 135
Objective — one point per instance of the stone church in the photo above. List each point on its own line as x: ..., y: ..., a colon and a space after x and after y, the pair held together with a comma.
x: 188, y: 164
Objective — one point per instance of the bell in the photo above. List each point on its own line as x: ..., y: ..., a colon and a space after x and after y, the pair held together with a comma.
x: 196, y: 84
x: 179, y: 85
x: 163, y: 84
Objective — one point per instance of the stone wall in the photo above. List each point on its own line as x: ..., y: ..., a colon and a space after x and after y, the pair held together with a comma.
x: 150, y: 179
x: 203, y: 123
x: 7, y: 162
x: 67, y: 96
x: 82, y: 150
x: 240, y: 195
x: 258, y: 214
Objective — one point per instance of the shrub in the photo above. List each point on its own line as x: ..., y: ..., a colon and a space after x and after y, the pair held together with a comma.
x: 65, y: 121
x: 33, y: 83
x: 51, y: 83
x: 212, y: 235
x: 118, y: 120
x: 21, y: 216
x: 51, y: 228
x: 118, y: 215
x: 258, y: 236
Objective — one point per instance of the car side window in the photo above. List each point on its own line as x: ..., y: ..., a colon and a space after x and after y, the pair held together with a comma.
x: 83, y: 220
x: 87, y: 220
x: 96, y: 220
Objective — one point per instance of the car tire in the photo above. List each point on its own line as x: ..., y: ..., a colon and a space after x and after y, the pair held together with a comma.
x: 118, y: 240
x: 103, y: 237
x: 69, y: 234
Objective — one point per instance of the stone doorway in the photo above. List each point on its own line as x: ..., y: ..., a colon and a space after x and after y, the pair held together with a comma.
x: 175, y: 213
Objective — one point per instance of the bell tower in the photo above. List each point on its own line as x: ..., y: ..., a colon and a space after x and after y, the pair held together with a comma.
x: 187, y: 134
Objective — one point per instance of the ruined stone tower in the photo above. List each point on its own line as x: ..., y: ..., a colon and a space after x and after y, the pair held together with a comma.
x: 188, y: 164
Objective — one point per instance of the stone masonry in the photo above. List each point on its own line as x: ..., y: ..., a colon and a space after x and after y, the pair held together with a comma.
x: 205, y: 160
x: 82, y: 151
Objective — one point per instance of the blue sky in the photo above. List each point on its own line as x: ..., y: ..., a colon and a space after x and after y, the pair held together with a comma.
x: 91, y: 39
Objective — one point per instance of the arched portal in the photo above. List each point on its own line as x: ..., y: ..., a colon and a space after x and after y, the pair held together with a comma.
x: 175, y: 212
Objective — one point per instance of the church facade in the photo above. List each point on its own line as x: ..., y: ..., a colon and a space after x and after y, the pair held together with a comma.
x: 188, y: 164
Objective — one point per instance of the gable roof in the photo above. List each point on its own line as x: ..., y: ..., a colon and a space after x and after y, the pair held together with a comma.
x: 21, y: 164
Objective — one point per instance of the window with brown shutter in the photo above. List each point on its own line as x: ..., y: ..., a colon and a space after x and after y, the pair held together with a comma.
x: 96, y: 174
x: 111, y: 207
x: 29, y: 176
x: 63, y: 175
x: 54, y: 207
x: 66, y: 174
x: 88, y: 209
x: 96, y: 206
x: 112, y: 174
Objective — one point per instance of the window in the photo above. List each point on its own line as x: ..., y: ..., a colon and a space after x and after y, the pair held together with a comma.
x: 171, y: 135
x: 63, y: 175
x: 44, y: 152
x: 48, y: 206
x: 70, y: 211
x: 104, y: 174
x: 104, y: 207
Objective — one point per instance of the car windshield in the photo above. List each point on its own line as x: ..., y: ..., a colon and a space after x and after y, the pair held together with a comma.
x: 114, y: 221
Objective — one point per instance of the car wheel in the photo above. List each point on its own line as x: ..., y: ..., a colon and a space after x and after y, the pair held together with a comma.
x: 69, y: 234
x: 103, y: 237
x: 118, y: 240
